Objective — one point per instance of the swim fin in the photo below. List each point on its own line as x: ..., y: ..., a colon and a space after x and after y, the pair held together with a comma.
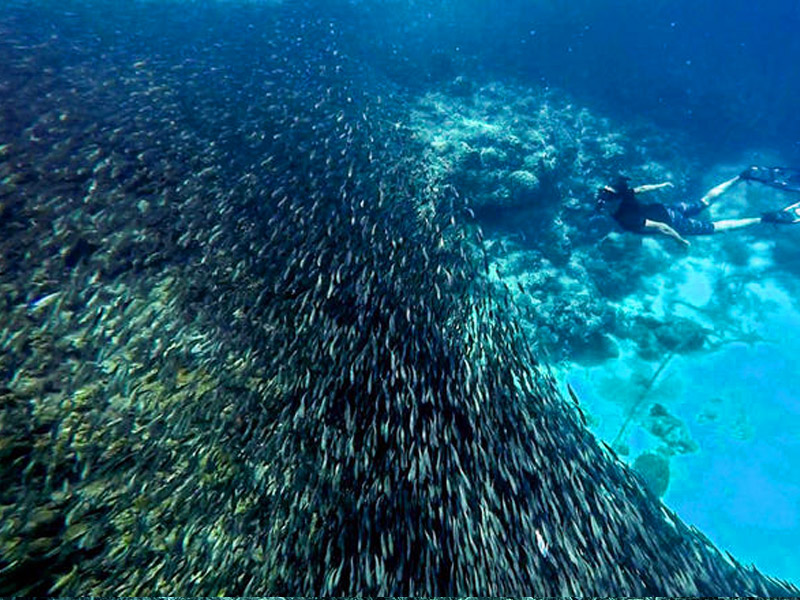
x: 782, y: 178
x: 785, y: 216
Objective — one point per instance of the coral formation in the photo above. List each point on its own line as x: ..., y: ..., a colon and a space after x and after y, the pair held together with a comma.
x: 670, y: 430
x: 504, y: 146
x: 653, y: 467
x: 656, y: 337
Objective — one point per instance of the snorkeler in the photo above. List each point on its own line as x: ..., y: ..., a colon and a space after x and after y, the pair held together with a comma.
x: 676, y: 220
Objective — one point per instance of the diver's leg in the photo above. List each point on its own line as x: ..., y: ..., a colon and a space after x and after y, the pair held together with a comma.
x: 688, y: 208
x: 718, y: 190
x: 685, y: 226
x: 731, y: 224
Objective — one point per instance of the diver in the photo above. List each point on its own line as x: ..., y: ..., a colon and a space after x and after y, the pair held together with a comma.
x: 676, y: 220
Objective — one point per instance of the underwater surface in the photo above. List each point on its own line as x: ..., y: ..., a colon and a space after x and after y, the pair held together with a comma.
x: 304, y: 297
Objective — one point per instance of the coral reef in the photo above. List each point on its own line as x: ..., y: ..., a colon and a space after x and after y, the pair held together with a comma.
x: 505, y: 146
x: 656, y: 337
x: 653, y: 467
x: 670, y: 430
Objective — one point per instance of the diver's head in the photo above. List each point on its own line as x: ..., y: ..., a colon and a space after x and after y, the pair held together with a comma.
x: 609, y: 197
x: 607, y: 200
x: 621, y: 186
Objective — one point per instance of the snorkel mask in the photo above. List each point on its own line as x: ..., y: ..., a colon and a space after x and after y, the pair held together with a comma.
x: 605, y: 196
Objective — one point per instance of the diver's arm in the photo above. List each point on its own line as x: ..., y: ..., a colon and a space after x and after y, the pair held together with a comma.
x: 649, y: 187
x: 659, y: 227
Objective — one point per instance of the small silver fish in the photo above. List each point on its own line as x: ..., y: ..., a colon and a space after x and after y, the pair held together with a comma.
x: 42, y: 302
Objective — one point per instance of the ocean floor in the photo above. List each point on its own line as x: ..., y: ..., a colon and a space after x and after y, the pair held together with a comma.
x: 734, y: 471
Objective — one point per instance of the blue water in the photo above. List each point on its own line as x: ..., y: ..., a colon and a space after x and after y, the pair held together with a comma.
x: 726, y: 73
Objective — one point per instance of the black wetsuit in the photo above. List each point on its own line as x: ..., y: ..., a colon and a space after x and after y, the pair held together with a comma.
x: 632, y: 214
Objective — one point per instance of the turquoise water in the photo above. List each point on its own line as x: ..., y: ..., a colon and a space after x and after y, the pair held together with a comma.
x: 742, y: 486
x: 746, y: 493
